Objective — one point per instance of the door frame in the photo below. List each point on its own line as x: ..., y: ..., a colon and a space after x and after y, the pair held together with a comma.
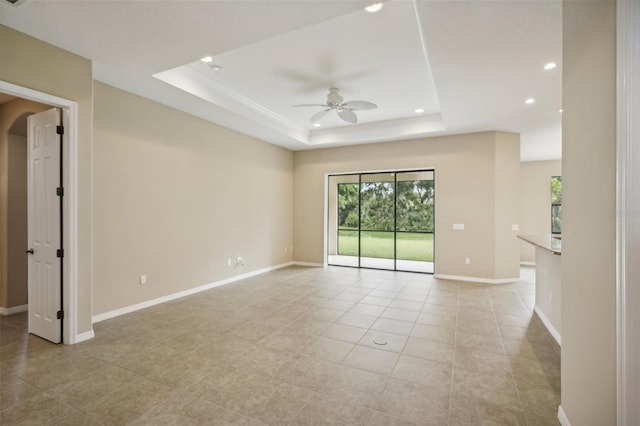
x: 325, y: 207
x: 70, y: 201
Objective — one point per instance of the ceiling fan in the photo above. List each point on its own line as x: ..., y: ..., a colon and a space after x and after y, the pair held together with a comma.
x: 345, y: 110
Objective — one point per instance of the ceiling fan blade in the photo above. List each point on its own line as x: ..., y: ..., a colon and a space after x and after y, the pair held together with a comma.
x: 347, y: 115
x: 317, y: 116
x: 312, y: 105
x: 360, y: 105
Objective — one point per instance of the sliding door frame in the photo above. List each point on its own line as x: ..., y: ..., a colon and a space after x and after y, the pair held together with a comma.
x: 395, y: 215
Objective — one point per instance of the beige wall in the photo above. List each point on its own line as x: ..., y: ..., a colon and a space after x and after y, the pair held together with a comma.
x: 507, y: 186
x: 176, y: 196
x: 17, y: 223
x: 589, y: 188
x: 465, y: 179
x: 68, y: 76
x: 13, y: 201
x: 535, y: 201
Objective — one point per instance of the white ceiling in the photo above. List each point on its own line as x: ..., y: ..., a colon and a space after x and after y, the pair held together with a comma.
x: 469, y: 64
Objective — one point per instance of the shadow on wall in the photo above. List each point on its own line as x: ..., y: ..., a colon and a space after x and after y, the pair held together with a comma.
x: 16, y: 291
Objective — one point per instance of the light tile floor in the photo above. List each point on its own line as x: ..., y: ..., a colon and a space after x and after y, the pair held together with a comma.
x: 298, y: 346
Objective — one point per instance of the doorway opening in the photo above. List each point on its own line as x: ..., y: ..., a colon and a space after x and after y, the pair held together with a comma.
x: 32, y: 103
x: 382, y: 220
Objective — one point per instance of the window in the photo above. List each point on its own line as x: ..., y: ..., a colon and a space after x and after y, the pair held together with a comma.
x: 556, y: 204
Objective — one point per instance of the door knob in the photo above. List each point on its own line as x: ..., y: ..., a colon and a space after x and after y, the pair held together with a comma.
x: 30, y: 251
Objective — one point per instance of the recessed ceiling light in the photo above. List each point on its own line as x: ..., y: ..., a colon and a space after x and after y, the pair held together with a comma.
x: 376, y: 7
x: 317, y: 124
x: 216, y: 67
x: 550, y: 66
x: 560, y: 110
x: 419, y: 110
x: 529, y: 101
x: 207, y: 59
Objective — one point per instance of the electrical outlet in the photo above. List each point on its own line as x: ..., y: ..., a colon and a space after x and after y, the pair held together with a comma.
x: 239, y: 261
x: 143, y: 279
x: 286, y: 250
x: 467, y: 261
x: 229, y: 262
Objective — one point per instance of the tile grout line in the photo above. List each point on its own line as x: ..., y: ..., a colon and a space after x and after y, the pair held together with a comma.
x: 396, y: 364
x: 369, y: 329
x: 453, y: 359
x: 293, y: 354
x: 252, y: 316
x: 297, y: 413
x: 390, y: 376
x: 341, y: 363
x: 47, y: 393
x: 513, y: 379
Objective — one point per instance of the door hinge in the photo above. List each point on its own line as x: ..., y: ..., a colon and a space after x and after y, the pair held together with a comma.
x: 60, y: 315
x: 60, y: 130
x: 60, y: 192
x: 60, y: 253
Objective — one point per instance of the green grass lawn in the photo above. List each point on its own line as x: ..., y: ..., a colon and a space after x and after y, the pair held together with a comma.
x: 410, y: 246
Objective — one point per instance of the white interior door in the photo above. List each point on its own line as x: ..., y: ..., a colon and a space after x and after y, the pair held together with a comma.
x: 44, y: 225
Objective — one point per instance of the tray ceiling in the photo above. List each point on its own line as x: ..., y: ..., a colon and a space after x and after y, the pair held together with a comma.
x: 469, y: 65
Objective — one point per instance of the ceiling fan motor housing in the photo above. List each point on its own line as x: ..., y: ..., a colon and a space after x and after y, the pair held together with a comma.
x: 333, y: 98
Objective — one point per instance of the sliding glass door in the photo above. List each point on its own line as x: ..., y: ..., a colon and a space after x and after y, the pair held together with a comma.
x: 377, y: 221
x: 415, y: 221
x: 344, y: 220
x: 382, y: 220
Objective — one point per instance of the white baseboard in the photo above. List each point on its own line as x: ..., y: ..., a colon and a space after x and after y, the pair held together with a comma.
x: 477, y: 280
x: 24, y: 308
x: 562, y: 417
x: 547, y: 323
x: 13, y: 310
x: 87, y: 335
x: 527, y: 263
x: 169, y: 297
x: 311, y: 264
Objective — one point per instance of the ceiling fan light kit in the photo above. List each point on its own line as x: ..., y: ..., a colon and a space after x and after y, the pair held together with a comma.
x: 345, y: 110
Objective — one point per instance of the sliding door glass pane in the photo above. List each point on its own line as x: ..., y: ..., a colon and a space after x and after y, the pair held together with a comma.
x: 377, y: 220
x: 556, y: 204
x: 343, y: 220
x: 556, y: 215
x: 415, y: 195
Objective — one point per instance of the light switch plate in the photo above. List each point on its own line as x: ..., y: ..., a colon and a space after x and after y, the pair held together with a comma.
x: 458, y: 226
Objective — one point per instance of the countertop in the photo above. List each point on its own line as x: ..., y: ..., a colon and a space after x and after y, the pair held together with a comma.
x: 553, y: 243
